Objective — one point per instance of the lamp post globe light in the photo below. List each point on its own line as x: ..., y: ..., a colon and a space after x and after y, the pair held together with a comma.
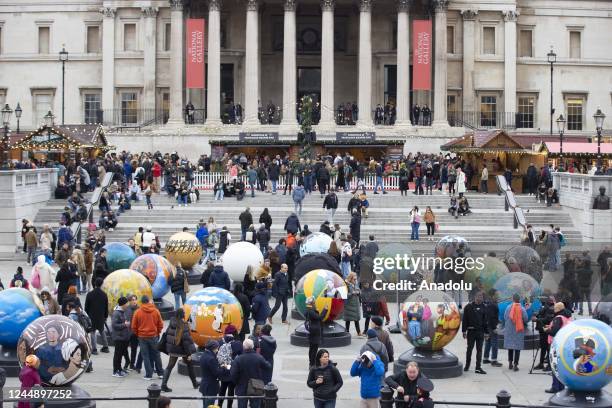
x: 561, y: 128
x: 552, y: 58
x: 599, y: 117
x: 63, y: 57
x: 18, y: 112
x: 6, y: 112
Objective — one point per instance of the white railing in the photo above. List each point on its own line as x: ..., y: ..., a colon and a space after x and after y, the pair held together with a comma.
x: 207, y: 180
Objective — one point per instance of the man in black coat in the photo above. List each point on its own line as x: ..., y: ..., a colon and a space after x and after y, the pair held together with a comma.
x: 492, y: 310
x: 292, y: 224
x: 544, y: 318
x: 100, y: 265
x: 532, y: 179
x: 280, y: 290
x: 474, y: 328
x: 273, y: 174
x: 96, y: 306
x: 355, y: 226
x: 263, y: 237
x: 249, y: 365
x: 322, y: 179
x: 246, y: 219
x: 330, y: 204
x: 211, y: 371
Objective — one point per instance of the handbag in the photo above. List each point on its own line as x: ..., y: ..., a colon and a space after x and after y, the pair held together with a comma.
x: 163, y: 341
x: 255, y: 387
x: 437, y: 227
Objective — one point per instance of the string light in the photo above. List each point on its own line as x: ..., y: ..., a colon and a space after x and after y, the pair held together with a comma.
x: 93, y: 133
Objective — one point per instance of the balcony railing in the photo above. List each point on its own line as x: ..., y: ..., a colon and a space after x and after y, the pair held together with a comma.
x: 490, y: 120
x: 131, y: 118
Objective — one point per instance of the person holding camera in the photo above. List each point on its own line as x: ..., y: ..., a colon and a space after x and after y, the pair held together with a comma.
x: 370, y: 369
x: 325, y: 380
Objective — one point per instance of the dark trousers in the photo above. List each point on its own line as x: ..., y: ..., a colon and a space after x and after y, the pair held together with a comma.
x: 347, y: 326
x: 322, y: 184
x: 544, y: 348
x: 280, y: 299
x: 431, y: 227
x: 312, y: 354
x: 513, y: 356
x: 172, y: 362
x: 121, y: 347
x: 226, y: 386
x: 474, y: 337
x: 150, y: 355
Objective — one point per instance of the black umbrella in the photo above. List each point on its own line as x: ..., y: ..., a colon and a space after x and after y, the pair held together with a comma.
x: 310, y: 262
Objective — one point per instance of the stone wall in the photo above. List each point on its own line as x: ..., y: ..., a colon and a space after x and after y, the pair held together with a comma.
x: 22, y: 194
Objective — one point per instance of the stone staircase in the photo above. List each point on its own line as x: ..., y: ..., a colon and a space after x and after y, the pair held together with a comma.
x: 488, y: 228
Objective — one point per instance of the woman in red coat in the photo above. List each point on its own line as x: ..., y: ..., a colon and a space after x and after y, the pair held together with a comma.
x: 29, y: 377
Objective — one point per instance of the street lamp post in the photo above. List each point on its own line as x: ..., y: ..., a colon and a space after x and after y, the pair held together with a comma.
x: 18, y: 112
x: 6, y: 112
x: 63, y: 57
x: 599, y: 117
x: 552, y: 58
x: 561, y: 128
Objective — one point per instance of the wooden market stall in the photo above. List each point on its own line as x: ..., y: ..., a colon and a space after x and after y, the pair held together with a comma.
x: 60, y: 143
x: 498, y: 151
x: 577, y: 156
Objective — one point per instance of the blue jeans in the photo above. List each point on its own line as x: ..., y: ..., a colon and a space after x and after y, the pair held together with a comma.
x: 296, y: 205
x: 324, y: 404
x: 253, y: 403
x: 252, y: 185
x: 243, y: 231
x: 556, y: 384
x: 346, y: 268
x: 415, y: 230
x: 219, y: 194
x: 274, y: 185
x: 264, y: 249
x: 491, y: 346
x: 308, y: 183
x: 379, y: 182
x: 182, y: 199
x: 150, y: 355
x: 178, y: 296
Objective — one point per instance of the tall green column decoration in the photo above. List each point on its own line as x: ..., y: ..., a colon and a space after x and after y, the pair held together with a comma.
x: 306, y: 134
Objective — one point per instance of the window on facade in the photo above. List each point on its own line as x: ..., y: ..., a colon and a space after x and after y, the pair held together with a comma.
x: 44, y: 36
x: 450, y: 39
x: 129, y: 37
x: 488, y: 40
x: 574, y: 109
x: 2, y: 97
x: 129, y: 107
x: 92, y: 107
x: 451, y: 108
x: 223, y: 33
x: 488, y: 111
x: 526, y: 109
x: 43, y: 103
x: 1, y: 33
x: 574, y: 44
x: 526, y: 43
x: 394, y: 34
x: 93, y: 39
x: 167, y: 36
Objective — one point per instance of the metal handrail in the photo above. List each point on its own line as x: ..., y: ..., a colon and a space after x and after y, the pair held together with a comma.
x: 95, y: 198
x: 510, y: 202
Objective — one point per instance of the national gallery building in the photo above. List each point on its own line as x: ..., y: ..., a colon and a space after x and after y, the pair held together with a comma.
x: 189, y: 75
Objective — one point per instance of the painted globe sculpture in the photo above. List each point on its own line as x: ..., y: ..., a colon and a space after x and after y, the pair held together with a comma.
x: 157, y: 270
x: 185, y: 248
x: 328, y: 290
x: 429, y: 319
x: 394, y: 274
x: 452, y: 246
x: 317, y: 242
x: 125, y: 282
x: 62, y: 346
x: 209, y: 311
x: 524, y: 259
x: 18, y: 308
x: 238, y: 257
x: 484, y: 279
x: 525, y: 286
x: 119, y: 256
x: 581, y: 355
x: 603, y: 310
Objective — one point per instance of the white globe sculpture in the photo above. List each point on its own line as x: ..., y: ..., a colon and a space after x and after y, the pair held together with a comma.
x: 317, y: 242
x: 238, y: 257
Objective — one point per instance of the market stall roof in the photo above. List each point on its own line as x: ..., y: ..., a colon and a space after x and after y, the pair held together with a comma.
x: 486, y: 141
x: 62, y: 137
x: 574, y: 148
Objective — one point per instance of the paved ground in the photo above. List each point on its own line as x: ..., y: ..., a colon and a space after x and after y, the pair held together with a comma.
x: 290, y: 374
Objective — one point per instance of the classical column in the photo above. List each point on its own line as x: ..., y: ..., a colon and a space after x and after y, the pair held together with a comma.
x: 440, y: 68
x: 327, y: 62
x: 289, y: 64
x: 213, y: 103
x: 403, y: 63
x: 251, y: 70
x: 510, y: 18
x: 364, y: 99
x: 469, y: 18
x: 108, y: 63
x: 150, y: 39
x: 176, y: 63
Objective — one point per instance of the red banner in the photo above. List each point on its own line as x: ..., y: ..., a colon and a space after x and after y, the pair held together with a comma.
x: 194, y: 64
x: 421, y: 55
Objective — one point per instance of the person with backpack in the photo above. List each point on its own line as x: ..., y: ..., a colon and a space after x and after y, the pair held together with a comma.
x: 267, y: 348
x: 179, y: 344
x: 179, y: 286
x: 260, y: 309
x: 330, y: 204
x: 219, y: 278
x: 96, y: 306
x: 376, y: 346
x: 263, y: 237
x: 120, y: 334
x: 229, y: 349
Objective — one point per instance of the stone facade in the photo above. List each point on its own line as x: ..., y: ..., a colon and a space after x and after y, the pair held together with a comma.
x: 488, y: 56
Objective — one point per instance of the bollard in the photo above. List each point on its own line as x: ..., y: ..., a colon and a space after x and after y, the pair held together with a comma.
x: 2, y: 382
x: 506, y: 205
x: 386, y: 397
x: 515, y: 222
x: 503, y: 399
x: 270, y: 396
x: 154, y: 392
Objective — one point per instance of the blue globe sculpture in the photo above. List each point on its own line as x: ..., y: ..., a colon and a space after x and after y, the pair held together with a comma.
x: 18, y: 308
x: 317, y: 242
x: 581, y: 356
x: 527, y: 288
x: 158, y: 270
x: 119, y: 256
